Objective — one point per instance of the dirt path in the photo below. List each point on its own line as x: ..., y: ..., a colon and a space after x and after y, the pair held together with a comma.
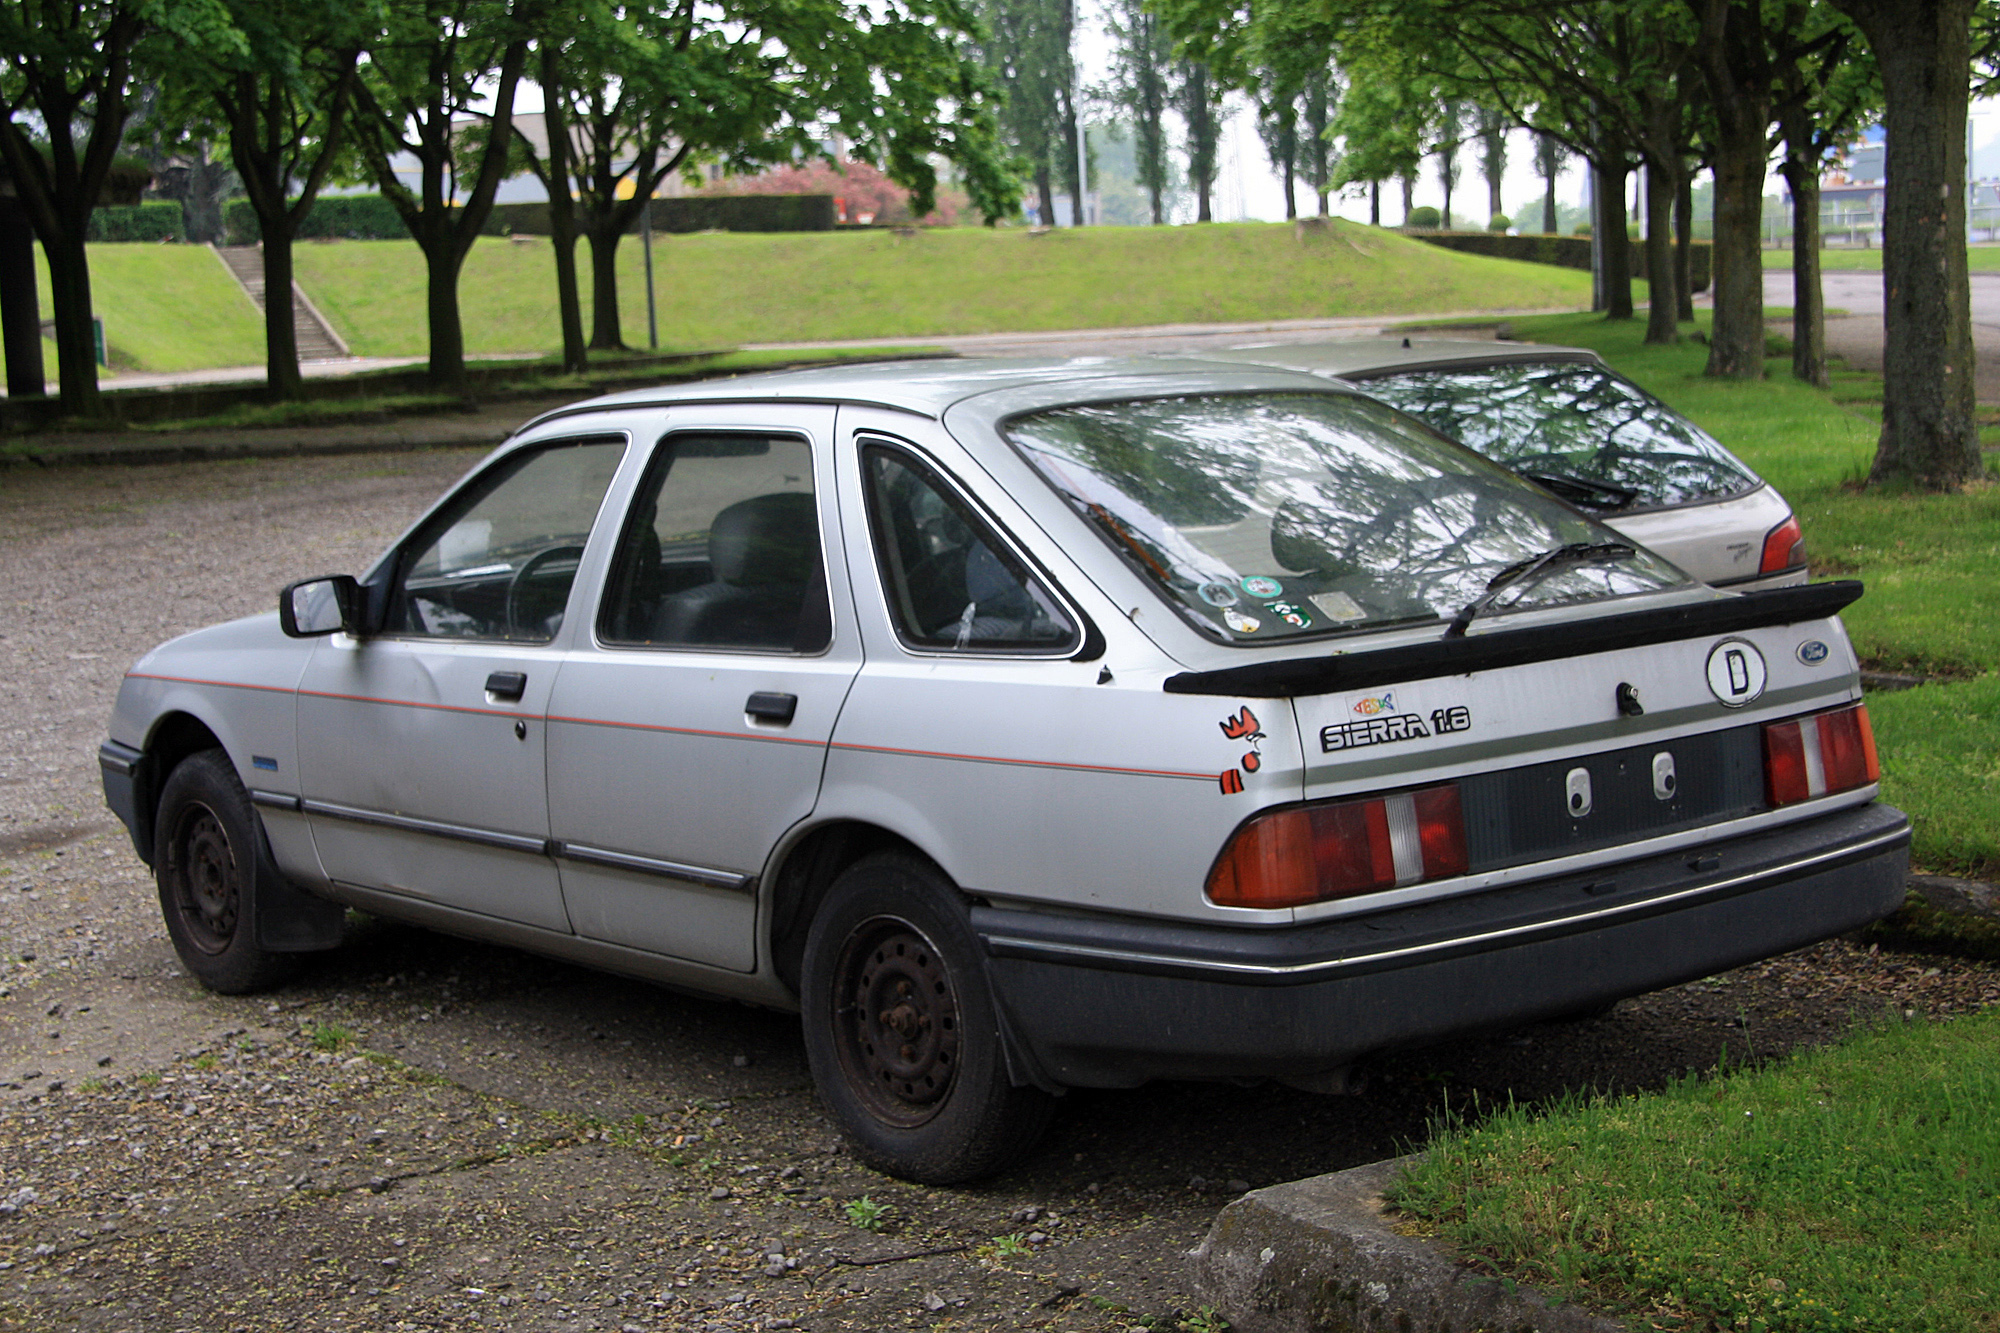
x: 429, y: 1134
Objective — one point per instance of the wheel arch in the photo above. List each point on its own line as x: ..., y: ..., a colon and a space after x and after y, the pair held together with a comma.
x: 175, y: 736
x: 806, y: 870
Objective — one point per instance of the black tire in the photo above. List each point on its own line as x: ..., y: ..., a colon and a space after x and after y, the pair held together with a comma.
x: 936, y: 1107
x: 208, y: 859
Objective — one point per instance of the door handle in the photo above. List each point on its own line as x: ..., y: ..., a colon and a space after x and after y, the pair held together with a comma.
x: 769, y: 707
x: 507, y: 686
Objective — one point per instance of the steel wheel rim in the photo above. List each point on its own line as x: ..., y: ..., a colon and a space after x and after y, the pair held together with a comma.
x: 205, y: 879
x: 896, y: 1021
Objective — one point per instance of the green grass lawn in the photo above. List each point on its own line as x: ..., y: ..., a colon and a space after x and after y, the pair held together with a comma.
x: 721, y: 289
x: 1984, y: 258
x: 1849, y: 1190
x: 165, y: 307
x: 1929, y: 561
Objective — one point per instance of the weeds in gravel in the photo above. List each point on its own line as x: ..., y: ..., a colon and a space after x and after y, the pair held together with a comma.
x: 1848, y: 1189
x: 328, y: 1036
x: 865, y: 1213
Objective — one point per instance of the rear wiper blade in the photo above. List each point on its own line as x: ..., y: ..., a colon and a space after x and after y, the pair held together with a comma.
x: 1584, y: 491
x: 1525, y: 574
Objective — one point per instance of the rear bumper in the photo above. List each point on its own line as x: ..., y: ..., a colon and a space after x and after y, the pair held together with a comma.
x: 1103, y: 1003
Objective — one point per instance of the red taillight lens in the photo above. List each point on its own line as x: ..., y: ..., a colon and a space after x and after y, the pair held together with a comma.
x: 1314, y: 853
x: 1784, y: 548
x: 1819, y: 755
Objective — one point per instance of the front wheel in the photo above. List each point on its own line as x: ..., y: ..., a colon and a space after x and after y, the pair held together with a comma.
x: 207, y: 858
x: 901, y: 1031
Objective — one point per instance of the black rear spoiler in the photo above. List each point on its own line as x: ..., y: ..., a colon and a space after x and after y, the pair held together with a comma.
x: 1544, y: 643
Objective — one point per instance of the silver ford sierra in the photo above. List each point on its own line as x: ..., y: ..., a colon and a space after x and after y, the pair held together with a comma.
x: 1024, y: 726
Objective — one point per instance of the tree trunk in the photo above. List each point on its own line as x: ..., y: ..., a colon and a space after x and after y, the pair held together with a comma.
x: 282, y: 379
x: 76, y: 339
x: 1409, y: 197
x: 1929, y: 435
x: 1549, y: 204
x: 1045, y: 195
x: 447, y: 365
x: 1736, y: 341
x: 1291, y: 191
x: 1684, y: 243
x: 1374, y: 204
x: 1610, y: 225
x: 1662, y: 309
x: 605, y: 332
x: 1808, y: 300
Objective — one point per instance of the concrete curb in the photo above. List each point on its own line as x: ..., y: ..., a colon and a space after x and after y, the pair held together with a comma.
x: 1318, y: 1256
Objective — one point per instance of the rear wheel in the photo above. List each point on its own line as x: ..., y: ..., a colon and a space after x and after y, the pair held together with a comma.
x: 901, y: 1030
x: 207, y: 860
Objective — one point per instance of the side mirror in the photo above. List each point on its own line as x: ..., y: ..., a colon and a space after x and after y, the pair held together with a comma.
x: 320, y: 606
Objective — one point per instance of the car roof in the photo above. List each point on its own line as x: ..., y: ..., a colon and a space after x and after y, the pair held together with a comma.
x: 1363, y: 357
x: 929, y: 386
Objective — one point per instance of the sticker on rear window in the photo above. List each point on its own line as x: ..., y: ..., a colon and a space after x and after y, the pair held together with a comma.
x: 1259, y: 586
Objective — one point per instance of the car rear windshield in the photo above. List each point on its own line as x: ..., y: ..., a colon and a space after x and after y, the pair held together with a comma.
x: 1570, y: 422
x: 1265, y: 517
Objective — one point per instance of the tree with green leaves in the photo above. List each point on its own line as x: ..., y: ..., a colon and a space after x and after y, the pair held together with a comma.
x: 1450, y: 134
x: 283, y: 99
x: 1026, y: 54
x: 1199, y: 102
x: 439, y: 85
x: 1382, y: 123
x: 632, y: 95
x: 1141, y: 82
x: 65, y: 80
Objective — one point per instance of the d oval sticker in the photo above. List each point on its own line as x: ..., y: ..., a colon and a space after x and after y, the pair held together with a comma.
x: 1736, y: 672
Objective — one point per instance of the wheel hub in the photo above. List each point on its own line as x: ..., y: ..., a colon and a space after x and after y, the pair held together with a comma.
x: 206, y: 881
x: 899, y: 1032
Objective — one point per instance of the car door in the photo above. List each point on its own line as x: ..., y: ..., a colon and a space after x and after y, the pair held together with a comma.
x: 689, y: 733
x: 422, y: 748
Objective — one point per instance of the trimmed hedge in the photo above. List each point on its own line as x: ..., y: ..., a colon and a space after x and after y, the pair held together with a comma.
x: 370, y: 217
x: 745, y: 212
x: 354, y: 217
x: 1561, y: 251
x: 159, y: 220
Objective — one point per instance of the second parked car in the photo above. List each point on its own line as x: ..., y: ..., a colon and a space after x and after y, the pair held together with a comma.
x: 1562, y: 417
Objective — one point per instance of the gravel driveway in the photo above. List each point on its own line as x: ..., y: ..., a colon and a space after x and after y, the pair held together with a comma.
x: 427, y: 1134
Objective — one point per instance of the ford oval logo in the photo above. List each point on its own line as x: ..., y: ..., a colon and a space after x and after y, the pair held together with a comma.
x: 1812, y: 652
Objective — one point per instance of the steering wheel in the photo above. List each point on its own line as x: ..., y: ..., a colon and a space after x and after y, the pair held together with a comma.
x: 529, y: 568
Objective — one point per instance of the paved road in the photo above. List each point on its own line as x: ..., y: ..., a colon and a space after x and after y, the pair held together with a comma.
x: 1858, y: 334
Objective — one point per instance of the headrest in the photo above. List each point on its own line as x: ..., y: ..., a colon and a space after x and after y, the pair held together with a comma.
x: 767, y: 539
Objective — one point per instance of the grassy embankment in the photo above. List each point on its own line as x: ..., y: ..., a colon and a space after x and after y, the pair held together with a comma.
x: 719, y: 289
x: 165, y: 308
x: 1848, y: 1189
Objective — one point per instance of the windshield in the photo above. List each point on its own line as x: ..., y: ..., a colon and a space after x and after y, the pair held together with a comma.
x: 1572, y: 421
x: 1264, y: 517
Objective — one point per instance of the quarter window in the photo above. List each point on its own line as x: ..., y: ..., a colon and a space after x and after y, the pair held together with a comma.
x: 722, y: 549
x: 953, y: 586
x: 498, y: 562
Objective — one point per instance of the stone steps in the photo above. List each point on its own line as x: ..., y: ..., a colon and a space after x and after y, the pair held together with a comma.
x: 316, y: 339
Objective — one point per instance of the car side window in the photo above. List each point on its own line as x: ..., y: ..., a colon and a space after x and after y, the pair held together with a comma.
x: 721, y: 549
x: 498, y: 562
x: 953, y: 585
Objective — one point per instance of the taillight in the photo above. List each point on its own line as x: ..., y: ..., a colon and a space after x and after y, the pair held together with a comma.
x: 1819, y: 755
x: 1784, y: 548
x: 1338, y: 849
